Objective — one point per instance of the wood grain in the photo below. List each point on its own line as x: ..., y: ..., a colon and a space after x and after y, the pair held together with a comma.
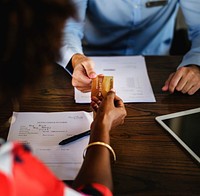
x: 149, y: 160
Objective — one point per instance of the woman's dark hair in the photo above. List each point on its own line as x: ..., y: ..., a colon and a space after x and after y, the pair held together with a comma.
x: 30, y: 37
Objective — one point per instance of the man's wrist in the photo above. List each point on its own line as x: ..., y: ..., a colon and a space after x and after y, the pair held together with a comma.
x: 69, y: 67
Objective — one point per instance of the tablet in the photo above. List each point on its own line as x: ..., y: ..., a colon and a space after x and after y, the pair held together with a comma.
x: 185, y: 128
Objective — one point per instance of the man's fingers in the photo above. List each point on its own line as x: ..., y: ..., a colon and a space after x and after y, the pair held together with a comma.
x: 88, y: 65
x: 166, y: 86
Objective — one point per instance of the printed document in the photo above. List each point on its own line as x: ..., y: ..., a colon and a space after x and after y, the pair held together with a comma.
x: 131, y: 80
x: 44, y: 131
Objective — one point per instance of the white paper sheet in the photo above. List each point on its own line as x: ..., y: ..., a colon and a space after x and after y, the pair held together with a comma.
x: 43, y: 132
x: 131, y: 80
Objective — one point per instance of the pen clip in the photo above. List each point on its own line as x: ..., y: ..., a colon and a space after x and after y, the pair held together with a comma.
x: 156, y: 3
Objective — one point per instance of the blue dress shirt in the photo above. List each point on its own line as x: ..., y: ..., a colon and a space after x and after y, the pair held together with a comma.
x: 129, y: 27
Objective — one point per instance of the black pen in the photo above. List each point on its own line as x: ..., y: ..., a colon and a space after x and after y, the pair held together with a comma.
x: 74, y: 138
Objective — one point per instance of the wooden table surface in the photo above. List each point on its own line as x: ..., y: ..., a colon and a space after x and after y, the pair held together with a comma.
x: 149, y: 160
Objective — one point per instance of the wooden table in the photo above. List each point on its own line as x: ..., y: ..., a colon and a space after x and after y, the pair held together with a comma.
x: 149, y: 160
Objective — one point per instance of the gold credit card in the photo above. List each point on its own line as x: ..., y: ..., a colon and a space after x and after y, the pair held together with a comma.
x: 101, y: 85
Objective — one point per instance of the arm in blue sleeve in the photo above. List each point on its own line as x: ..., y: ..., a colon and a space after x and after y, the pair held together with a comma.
x: 73, y: 34
x: 192, y: 18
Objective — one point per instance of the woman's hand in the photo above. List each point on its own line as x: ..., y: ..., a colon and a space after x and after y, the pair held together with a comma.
x: 110, y: 112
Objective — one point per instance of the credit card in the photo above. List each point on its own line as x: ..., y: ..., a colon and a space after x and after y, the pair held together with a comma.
x: 101, y: 85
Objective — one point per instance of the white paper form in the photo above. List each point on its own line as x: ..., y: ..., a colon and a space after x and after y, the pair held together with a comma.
x: 43, y: 132
x: 131, y: 80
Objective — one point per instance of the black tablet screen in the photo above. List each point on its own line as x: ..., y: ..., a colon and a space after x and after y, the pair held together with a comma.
x: 187, y: 128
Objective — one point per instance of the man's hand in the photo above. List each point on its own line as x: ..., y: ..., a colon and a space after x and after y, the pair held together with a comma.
x: 83, y: 72
x: 185, y: 79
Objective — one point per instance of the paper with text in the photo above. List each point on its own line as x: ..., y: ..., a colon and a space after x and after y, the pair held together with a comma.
x: 43, y: 132
x: 131, y: 80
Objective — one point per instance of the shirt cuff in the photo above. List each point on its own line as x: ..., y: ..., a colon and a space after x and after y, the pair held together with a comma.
x: 190, y: 59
